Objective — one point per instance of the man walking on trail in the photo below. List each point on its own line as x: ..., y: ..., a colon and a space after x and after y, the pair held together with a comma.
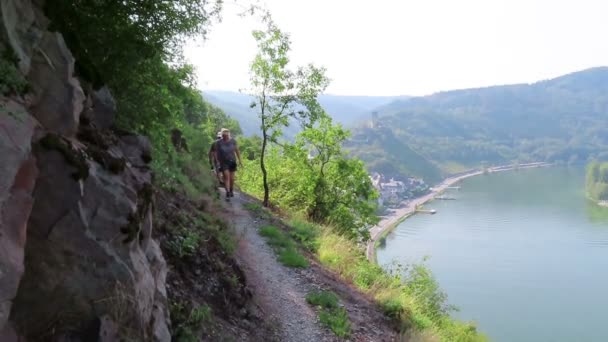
x: 226, y: 153
x: 215, y: 166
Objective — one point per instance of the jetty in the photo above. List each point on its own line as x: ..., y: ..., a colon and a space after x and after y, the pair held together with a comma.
x: 427, y: 211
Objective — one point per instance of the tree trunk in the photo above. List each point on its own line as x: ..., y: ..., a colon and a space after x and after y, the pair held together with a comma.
x: 263, y: 167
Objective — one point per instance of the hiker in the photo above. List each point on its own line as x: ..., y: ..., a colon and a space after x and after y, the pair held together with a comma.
x: 226, y: 153
x: 215, y: 166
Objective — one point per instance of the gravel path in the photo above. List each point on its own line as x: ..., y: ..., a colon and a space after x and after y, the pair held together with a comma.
x: 280, y: 291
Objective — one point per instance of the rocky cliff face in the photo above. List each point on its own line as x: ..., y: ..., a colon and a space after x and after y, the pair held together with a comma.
x: 77, y: 259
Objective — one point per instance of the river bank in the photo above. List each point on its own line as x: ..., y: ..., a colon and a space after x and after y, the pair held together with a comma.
x: 408, y: 208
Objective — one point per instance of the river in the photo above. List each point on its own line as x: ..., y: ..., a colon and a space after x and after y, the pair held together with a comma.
x: 522, y: 253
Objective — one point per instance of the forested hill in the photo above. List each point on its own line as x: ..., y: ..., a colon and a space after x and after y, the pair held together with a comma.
x: 346, y: 110
x: 562, y: 119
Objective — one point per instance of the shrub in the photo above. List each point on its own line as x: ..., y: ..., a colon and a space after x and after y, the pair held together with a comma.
x: 337, y: 320
x: 188, y: 322
x: 325, y: 299
x: 291, y: 258
x: 185, y: 243
x: 306, y: 233
x: 330, y: 315
x: 11, y: 80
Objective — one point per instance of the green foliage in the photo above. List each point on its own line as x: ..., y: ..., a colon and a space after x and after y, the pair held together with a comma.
x: 134, y: 49
x: 185, y: 243
x: 314, y: 177
x: 132, y: 34
x: 251, y: 147
x: 305, y: 233
x: 331, y: 315
x: 189, y: 321
x: 325, y: 299
x: 227, y: 241
x: 280, y: 93
x: 11, y: 80
x: 257, y: 209
x: 597, y: 181
x: 253, y: 207
x: 291, y: 258
x: 201, y: 314
x: 386, y: 152
x: 337, y: 320
x: 182, y: 171
x: 137, y: 55
x: 275, y: 236
x: 284, y: 246
x: 410, y: 294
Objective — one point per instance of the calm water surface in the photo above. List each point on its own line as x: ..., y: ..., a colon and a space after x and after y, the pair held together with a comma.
x: 522, y: 253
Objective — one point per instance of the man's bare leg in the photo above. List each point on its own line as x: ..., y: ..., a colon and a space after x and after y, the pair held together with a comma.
x: 227, y: 182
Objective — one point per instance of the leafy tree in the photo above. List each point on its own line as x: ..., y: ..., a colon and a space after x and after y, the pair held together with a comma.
x: 111, y: 39
x: 133, y: 47
x: 315, y: 177
x: 597, y: 181
x: 593, y: 173
x: 343, y: 194
x: 281, y: 94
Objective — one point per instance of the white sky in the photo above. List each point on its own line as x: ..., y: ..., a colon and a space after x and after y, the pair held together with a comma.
x: 415, y: 47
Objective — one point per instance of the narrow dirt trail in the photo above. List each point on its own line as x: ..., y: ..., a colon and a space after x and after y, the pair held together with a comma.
x: 280, y: 291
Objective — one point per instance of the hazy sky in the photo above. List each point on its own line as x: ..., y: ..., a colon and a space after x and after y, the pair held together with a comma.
x: 415, y: 47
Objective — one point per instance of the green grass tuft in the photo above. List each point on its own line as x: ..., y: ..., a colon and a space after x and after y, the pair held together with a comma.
x: 252, y: 206
x: 331, y: 315
x: 185, y: 243
x: 325, y: 299
x: 200, y: 315
x: 257, y: 209
x: 291, y: 258
x: 306, y: 233
x: 188, y: 322
x: 270, y: 232
x: 284, y: 246
x: 336, y: 320
x: 227, y: 241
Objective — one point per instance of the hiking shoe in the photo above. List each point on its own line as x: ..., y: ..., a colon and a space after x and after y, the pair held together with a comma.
x: 231, y: 194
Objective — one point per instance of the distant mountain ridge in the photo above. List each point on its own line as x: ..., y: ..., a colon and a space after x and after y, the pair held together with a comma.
x: 563, y: 119
x: 344, y: 109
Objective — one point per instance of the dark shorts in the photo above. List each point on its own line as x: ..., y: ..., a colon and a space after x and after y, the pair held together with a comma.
x: 228, y: 165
